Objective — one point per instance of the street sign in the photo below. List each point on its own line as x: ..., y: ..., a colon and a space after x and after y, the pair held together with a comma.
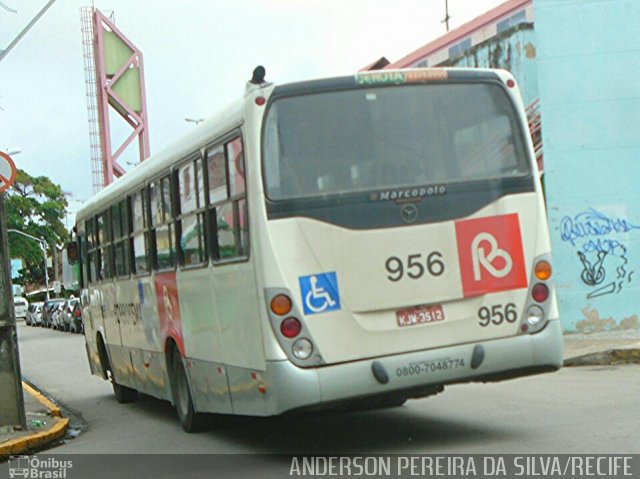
x: 7, y: 172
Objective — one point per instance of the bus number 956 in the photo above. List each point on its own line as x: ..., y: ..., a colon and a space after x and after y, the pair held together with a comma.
x: 497, y: 314
x: 416, y: 266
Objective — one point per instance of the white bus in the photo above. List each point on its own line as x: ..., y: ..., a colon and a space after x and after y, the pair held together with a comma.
x: 352, y: 241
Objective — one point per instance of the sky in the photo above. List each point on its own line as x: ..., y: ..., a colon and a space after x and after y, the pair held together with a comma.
x: 198, y: 55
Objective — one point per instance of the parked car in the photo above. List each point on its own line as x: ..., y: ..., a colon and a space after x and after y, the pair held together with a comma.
x: 21, y: 307
x: 38, y: 315
x: 76, y: 317
x: 34, y: 314
x: 57, y: 316
x: 66, y: 317
x: 48, y: 309
x: 30, y: 310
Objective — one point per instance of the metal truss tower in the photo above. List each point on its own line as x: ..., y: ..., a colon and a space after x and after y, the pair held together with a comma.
x: 114, y: 76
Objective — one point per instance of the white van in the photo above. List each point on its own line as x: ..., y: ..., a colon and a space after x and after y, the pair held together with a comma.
x: 21, y: 306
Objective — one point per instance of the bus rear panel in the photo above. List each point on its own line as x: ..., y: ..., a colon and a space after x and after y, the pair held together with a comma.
x: 408, y: 231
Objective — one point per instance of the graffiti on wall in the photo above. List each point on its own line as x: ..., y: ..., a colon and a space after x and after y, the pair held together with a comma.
x: 600, y: 249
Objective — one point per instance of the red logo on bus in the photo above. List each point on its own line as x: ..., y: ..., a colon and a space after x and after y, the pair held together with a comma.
x: 490, y: 252
x: 169, y: 307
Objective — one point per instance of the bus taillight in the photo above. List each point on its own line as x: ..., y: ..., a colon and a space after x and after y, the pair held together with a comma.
x: 290, y: 327
x: 543, y: 270
x: 535, y: 316
x: 281, y: 305
x: 540, y: 292
x: 302, y: 348
x: 539, y: 305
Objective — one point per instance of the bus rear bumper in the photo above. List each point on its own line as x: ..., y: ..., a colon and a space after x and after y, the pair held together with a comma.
x: 411, y: 373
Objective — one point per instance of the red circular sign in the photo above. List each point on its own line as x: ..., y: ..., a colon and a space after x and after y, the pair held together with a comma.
x: 7, y: 172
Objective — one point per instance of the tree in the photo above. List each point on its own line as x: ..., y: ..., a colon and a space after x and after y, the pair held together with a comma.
x: 36, y: 206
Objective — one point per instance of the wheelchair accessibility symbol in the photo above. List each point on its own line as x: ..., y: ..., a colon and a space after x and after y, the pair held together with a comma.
x: 319, y: 293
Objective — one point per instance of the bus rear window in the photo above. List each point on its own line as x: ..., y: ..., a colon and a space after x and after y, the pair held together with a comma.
x: 369, y: 139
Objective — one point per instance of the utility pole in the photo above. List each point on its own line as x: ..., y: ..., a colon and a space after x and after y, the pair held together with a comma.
x: 446, y: 14
x: 55, y: 268
x: 11, y: 398
x: 43, y: 245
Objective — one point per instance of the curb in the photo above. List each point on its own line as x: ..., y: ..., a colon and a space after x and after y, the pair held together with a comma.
x: 39, y: 439
x: 606, y: 358
x: 53, y: 409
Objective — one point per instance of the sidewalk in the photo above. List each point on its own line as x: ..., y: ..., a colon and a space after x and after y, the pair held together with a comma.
x: 45, y: 425
x: 604, y: 348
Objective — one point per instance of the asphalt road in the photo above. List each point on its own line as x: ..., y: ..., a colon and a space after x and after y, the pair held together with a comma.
x: 576, y: 410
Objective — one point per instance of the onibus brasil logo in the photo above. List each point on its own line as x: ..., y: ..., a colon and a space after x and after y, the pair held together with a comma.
x: 36, y: 468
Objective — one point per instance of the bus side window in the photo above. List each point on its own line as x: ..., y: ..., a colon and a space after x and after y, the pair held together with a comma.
x: 81, y: 245
x: 229, y: 217
x: 235, y: 166
x: 90, y: 263
x: 237, y: 191
x: 120, y: 224
x: 191, y: 225
x: 105, y: 248
x: 200, y: 183
x: 140, y: 239
x: 162, y: 221
x: 217, y: 175
x: 227, y: 201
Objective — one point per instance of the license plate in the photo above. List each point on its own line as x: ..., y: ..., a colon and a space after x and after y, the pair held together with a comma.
x: 419, y: 315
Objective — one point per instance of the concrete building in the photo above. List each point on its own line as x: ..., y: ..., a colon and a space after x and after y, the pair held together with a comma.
x: 578, y: 67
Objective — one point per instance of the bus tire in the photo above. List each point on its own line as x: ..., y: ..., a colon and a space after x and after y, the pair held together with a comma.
x: 122, y: 393
x: 189, y: 419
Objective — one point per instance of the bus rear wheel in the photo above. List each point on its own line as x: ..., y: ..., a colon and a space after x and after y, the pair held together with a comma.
x: 189, y: 419
x: 122, y: 393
